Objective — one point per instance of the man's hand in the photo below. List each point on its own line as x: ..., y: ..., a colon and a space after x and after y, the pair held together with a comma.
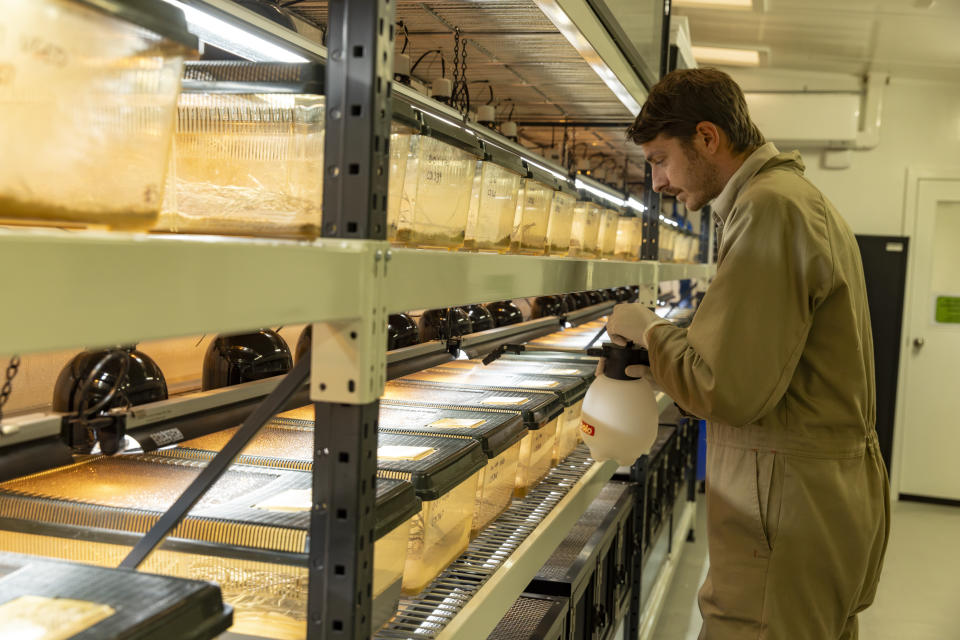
x: 629, y: 322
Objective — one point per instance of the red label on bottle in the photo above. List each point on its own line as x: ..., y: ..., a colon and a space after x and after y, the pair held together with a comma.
x: 587, y: 428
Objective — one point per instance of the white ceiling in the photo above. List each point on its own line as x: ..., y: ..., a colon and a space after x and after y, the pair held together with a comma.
x: 842, y: 36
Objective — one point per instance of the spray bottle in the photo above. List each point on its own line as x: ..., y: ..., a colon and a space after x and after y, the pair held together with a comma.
x: 620, y: 417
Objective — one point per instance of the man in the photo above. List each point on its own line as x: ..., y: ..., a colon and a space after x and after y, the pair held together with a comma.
x: 779, y: 361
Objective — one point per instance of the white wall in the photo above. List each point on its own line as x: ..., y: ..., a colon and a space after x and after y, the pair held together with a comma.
x: 920, y: 127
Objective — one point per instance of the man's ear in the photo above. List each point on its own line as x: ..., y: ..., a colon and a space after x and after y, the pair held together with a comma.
x: 708, y: 137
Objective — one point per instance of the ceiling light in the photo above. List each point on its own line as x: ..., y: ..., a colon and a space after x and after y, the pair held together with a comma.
x: 722, y: 55
x: 636, y: 205
x: 558, y: 16
x: 226, y: 36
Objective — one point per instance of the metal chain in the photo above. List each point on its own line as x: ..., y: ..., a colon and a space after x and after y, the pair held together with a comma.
x: 464, y: 95
x: 12, y: 369
x: 456, y: 61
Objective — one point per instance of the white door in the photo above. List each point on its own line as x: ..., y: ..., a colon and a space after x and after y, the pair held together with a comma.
x: 930, y: 422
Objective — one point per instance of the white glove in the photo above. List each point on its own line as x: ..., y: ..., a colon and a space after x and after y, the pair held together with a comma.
x: 631, y: 322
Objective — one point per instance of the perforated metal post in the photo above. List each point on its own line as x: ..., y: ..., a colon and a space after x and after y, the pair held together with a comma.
x: 650, y: 245
x: 348, y: 357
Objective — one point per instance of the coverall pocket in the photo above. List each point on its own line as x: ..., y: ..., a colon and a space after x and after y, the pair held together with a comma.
x: 769, y: 468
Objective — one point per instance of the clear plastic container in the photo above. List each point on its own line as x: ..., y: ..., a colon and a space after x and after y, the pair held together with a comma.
x: 440, y: 181
x: 445, y: 474
x: 541, y: 413
x: 607, y: 233
x: 583, y: 234
x: 493, y: 205
x: 629, y: 237
x: 667, y: 240
x: 681, y: 247
x: 532, y: 218
x: 88, y: 93
x: 560, y: 223
x: 247, y: 164
x: 397, y: 197
x: 498, y: 433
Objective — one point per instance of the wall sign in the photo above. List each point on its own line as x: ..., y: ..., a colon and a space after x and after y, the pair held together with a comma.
x: 948, y: 310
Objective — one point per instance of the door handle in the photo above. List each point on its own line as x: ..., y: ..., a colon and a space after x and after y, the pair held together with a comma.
x: 918, y: 342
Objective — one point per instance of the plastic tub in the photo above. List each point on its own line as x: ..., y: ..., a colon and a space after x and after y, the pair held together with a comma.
x: 492, y: 208
x: 629, y: 237
x: 82, y: 512
x: 88, y: 92
x: 445, y: 474
x: 440, y: 181
x: 607, y: 233
x: 398, y: 199
x: 286, y: 444
x: 532, y: 218
x: 499, y: 434
x: 248, y: 152
x: 560, y: 223
x: 585, y: 229
x: 569, y: 389
x: 540, y: 411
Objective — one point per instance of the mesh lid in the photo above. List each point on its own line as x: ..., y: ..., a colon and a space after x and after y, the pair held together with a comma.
x: 140, y: 604
x: 397, y: 502
x: 129, y: 493
x: 234, y: 76
x: 551, y: 356
x: 157, y: 16
x: 533, y: 617
x: 433, y: 465
x: 574, y: 559
x: 569, y: 389
x: 495, y: 431
x: 537, y: 407
x: 584, y: 371
x: 289, y: 447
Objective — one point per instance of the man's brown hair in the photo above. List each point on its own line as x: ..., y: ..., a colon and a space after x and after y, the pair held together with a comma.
x: 686, y: 97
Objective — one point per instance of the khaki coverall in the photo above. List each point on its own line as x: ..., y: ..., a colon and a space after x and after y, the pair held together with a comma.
x: 779, y: 361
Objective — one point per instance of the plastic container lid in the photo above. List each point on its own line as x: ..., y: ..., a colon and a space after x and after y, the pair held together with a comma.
x: 569, y: 389
x: 157, y: 16
x: 242, y: 77
x: 536, y: 407
x: 496, y: 432
x: 439, y: 464
x: 134, y: 604
x: 397, y: 502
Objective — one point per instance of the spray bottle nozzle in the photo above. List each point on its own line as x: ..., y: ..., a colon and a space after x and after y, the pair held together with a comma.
x: 618, y: 358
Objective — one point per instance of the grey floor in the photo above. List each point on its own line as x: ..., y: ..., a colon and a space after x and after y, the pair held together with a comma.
x: 919, y: 595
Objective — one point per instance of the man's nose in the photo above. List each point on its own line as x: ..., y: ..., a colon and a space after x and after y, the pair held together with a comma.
x: 659, y: 180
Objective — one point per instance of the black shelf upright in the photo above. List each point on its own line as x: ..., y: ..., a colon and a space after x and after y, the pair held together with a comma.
x: 356, y: 154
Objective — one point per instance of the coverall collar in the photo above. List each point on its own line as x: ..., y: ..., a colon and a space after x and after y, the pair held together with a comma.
x: 723, y: 203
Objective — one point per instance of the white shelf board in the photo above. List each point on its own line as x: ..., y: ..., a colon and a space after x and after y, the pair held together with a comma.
x: 67, y: 289
x: 489, y: 604
x: 426, y: 279
x: 678, y: 271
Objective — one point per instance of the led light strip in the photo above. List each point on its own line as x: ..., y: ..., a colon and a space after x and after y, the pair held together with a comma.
x: 580, y: 184
x: 228, y: 37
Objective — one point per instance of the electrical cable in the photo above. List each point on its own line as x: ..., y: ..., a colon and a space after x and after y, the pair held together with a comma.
x: 443, y: 62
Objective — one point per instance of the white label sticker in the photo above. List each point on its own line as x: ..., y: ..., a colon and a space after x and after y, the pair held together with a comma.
x: 562, y: 372
x: 167, y: 436
x: 456, y: 423
x: 289, y: 500
x: 399, y: 452
x: 540, y: 383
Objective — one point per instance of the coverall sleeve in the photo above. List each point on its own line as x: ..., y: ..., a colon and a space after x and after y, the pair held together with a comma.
x: 735, y: 361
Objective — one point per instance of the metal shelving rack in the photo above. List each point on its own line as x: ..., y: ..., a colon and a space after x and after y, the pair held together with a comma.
x: 348, y: 282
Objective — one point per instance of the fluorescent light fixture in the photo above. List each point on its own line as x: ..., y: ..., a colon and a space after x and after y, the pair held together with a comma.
x: 669, y: 221
x: 579, y: 184
x: 570, y: 31
x: 229, y: 37
x: 452, y: 123
x: 715, y: 4
x: 723, y: 55
x: 636, y: 205
x: 547, y: 169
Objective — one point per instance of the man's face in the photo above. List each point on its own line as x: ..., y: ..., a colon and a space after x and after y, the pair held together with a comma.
x: 683, y: 170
